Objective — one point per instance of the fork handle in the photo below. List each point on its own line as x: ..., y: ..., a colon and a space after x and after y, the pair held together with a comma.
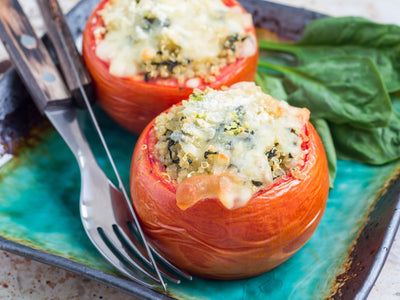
x: 64, y: 46
x: 31, y: 58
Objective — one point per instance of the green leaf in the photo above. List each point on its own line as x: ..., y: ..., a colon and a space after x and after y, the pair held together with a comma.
x: 375, y: 146
x: 340, y: 89
x: 342, y: 31
x: 271, y: 85
x: 322, y: 127
x: 332, y: 37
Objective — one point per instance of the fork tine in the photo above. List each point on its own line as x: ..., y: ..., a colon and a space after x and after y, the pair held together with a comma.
x: 162, y: 259
x: 124, y: 216
x: 169, y: 265
x: 116, y: 262
x: 126, y: 236
x: 117, y: 247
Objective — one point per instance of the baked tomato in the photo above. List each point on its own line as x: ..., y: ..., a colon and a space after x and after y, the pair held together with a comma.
x: 208, y: 239
x: 134, y: 100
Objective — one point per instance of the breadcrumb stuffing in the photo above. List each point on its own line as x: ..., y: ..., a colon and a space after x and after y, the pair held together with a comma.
x: 173, y: 38
x: 240, y: 130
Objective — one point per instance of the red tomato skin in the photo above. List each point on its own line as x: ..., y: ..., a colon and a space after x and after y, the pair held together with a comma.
x: 209, y: 240
x: 133, y: 103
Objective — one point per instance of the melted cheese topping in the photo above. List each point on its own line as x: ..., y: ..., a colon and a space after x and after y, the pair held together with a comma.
x: 241, y: 134
x: 156, y: 36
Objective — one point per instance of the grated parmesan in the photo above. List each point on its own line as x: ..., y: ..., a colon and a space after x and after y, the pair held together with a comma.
x: 173, y: 38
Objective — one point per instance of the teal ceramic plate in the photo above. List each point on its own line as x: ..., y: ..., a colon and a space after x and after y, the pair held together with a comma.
x: 39, y: 194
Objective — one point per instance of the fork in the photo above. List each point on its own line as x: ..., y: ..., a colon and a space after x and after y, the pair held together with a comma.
x: 106, y: 212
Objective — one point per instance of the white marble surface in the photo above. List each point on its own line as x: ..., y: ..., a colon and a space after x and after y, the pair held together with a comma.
x: 21, y: 278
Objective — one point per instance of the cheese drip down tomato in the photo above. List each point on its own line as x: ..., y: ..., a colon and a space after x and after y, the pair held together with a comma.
x: 196, y: 228
x: 145, y: 56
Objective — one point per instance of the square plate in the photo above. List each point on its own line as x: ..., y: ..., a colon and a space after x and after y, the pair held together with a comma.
x: 39, y: 188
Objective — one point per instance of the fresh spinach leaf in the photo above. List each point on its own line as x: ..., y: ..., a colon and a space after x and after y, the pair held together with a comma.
x: 342, y: 90
x: 375, y: 146
x: 333, y: 37
x: 271, y: 85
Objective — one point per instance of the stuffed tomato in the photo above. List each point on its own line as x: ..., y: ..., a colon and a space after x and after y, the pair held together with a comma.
x: 145, y: 56
x: 230, y: 183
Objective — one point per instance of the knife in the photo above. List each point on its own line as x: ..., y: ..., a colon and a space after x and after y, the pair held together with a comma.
x: 46, y: 85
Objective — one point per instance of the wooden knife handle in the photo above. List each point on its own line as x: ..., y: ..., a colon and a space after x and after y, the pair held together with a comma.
x: 31, y: 58
x: 67, y: 54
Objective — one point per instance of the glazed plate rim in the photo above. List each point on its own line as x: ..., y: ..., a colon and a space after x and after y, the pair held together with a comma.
x: 135, y: 289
